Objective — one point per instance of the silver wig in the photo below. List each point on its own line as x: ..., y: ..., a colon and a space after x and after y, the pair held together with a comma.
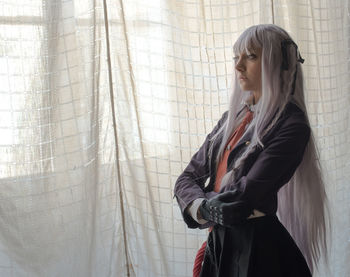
x: 302, y: 202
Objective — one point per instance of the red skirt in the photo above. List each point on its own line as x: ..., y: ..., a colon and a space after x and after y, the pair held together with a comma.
x: 259, y: 247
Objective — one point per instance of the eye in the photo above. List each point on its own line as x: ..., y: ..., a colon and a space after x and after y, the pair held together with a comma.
x: 251, y: 56
x: 235, y: 58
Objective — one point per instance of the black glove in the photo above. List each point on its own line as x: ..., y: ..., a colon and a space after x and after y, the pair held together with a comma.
x: 225, y: 209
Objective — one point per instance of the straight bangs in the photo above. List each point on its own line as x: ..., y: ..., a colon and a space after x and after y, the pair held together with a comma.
x: 247, y: 42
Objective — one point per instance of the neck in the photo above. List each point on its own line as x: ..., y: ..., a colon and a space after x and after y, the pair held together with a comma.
x: 253, y: 99
x: 256, y: 97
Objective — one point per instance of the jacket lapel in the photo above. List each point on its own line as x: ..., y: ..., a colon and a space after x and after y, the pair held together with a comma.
x: 243, y: 142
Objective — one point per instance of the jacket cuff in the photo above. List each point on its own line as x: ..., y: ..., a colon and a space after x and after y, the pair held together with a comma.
x: 193, y: 210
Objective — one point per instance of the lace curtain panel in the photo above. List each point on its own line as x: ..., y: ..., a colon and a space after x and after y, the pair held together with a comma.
x: 103, y: 103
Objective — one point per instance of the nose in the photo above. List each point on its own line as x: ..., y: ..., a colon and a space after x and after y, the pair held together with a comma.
x: 240, y: 64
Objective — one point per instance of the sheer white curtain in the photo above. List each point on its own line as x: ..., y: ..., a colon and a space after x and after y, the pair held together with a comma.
x: 102, y: 104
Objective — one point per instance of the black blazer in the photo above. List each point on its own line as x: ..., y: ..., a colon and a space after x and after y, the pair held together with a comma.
x: 263, y: 173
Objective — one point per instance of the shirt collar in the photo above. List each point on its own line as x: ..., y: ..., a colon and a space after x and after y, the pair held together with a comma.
x: 250, y: 107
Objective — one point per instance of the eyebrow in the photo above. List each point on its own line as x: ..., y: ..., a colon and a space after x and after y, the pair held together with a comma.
x: 250, y: 53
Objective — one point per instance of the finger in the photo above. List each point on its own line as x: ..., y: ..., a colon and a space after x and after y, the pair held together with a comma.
x: 232, y: 207
x: 229, y: 196
x: 230, y: 212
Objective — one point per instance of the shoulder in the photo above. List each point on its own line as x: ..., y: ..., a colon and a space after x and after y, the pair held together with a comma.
x: 224, y: 116
x: 292, y: 122
x: 221, y: 121
x: 293, y: 114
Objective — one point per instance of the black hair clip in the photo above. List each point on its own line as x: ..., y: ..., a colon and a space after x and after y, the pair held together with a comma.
x: 284, y: 44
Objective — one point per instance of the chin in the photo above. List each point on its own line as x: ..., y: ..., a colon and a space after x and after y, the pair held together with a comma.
x: 247, y: 89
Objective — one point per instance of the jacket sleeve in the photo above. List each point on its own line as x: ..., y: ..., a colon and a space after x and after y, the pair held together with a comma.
x: 190, y: 184
x: 275, y: 164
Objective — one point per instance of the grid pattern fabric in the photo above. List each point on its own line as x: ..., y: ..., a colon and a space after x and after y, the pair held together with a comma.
x: 102, y: 105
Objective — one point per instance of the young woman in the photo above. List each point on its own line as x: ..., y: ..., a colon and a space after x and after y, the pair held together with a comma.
x: 261, y: 160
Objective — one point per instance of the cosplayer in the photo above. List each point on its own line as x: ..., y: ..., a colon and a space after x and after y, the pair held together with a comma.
x: 256, y: 181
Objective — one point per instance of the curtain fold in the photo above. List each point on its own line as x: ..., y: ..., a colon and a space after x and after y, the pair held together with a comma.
x: 95, y: 126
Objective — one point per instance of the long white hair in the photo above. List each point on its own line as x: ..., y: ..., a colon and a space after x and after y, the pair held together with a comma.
x: 302, y: 202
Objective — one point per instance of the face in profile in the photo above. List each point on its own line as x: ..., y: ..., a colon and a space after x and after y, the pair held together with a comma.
x: 248, y: 70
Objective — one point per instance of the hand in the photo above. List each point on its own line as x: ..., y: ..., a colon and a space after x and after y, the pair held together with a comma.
x: 225, y: 209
